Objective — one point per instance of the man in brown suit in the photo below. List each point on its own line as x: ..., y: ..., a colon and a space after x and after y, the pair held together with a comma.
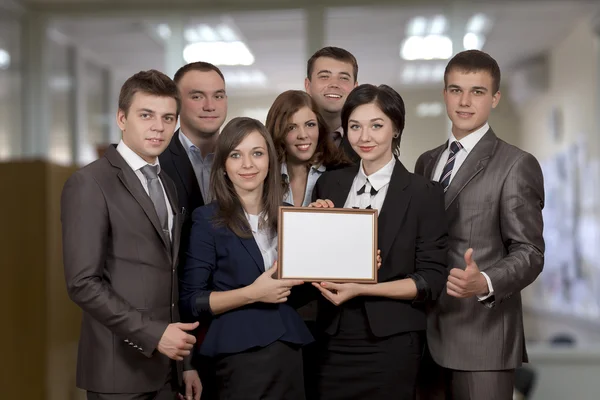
x: 494, y: 199
x: 121, y: 233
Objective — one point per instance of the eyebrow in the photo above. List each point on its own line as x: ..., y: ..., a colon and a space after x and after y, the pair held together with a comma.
x: 196, y: 91
x: 482, y: 88
x: 254, y: 148
x: 372, y: 120
x: 326, y: 71
x: 146, y: 110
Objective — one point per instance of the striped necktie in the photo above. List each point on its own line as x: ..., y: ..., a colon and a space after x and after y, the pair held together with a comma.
x: 455, y: 147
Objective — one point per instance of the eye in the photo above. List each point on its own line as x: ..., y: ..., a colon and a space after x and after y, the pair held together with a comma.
x: 377, y: 126
x: 258, y: 153
x: 234, y: 155
x: 220, y: 96
x: 454, y: 90
x: 354, y: 127
x: 169, y: 119
x: 196, y: 97
x: 345, y: 78
x: 311, y: 124
x: 478, y: 92
x: 145, y: 115
x: 323, y: 76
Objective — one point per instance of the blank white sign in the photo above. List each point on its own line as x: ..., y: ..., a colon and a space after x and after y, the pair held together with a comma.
x: 327, y: 245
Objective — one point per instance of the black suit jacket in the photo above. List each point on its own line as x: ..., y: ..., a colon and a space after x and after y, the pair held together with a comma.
x: 176, y: 163
x: 346, y: 147
x: 121, y: 270
x: 412, y: 235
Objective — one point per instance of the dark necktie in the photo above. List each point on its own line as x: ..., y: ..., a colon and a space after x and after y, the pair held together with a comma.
x: 157, y: 196
x: 362, y: 190
x: 447, y: 172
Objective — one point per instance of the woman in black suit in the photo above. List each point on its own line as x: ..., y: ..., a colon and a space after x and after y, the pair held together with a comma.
x: 373, y: 333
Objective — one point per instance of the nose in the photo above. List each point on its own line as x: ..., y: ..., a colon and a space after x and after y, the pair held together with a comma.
x: 247, y: 161
x: 301, y: 134
x: 209, y: 104
x: 159, y: 125
x: 365, y: 135
x: 465, y: 99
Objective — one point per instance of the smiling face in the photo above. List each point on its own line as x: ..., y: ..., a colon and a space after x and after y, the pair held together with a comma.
x: 370, y: 132
x: 302, y: 136
x: 469, y: 99
x: 247, y: 164
x: 203, y: 103
x: 148, y: 125
x: 330, y: 83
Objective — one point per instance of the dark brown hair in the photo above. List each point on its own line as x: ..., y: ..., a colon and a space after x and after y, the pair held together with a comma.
x: 386, y: 99
x: 336, y: 53
x: 151, y: 82
x: 278, y: 121
x: 196, y: 66
x: 230, y: 209
x: 474, y: 61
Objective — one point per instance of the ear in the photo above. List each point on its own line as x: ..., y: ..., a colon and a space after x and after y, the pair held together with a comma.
x: 121, y: 119
x: 496, y: 99
x: 306, y: 85
x: 356, y: 84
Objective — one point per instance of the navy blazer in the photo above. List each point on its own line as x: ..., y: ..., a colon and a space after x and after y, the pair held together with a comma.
x: 219, y: 260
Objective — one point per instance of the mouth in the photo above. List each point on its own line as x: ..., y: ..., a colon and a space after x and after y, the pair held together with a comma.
x: 155, y: 140
x: 248, y: 176
x: 463, y: 114
x: 333, y: 96
x: 366, y: 149
x: 303, y: 147
x: 210, y: 117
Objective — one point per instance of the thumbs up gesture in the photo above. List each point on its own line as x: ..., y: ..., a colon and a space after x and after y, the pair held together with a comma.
x: 467, y: 282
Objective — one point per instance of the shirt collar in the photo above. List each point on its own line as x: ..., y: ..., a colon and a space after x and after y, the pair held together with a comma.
x: 186, y: 142
x: 378, y: 179
x: 313, y: 168
x: 132, y: 158
x: 339, y: 130
x: 469, y: 141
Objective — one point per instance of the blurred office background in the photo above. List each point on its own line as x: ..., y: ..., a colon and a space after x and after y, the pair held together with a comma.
x: 62, y: 63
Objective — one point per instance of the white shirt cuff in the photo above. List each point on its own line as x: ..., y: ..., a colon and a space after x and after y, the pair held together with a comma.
x: 490, y: 288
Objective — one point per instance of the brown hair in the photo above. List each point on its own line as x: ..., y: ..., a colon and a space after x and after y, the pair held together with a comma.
x: 278, y: 121
x: 230, y: 209
x: 336, y: 53
x: 474, y: 61
x: 196, y: 66
x: 151, y: 82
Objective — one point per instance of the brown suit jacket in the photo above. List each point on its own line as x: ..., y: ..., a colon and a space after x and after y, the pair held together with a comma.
x: 494, y: 205
x: 121, y: 270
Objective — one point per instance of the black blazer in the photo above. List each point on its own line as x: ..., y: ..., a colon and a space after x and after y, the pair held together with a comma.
x: 412, y: 235
x: 346, y: 147
x: 176, y: 163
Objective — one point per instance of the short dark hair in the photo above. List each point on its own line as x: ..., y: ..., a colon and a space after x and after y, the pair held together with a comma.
x: 336, y: 53
x: 196, y: 66
x: 386, y: 99
x: 151, y: 82
x: 474, y: 61
x: 231, y: 212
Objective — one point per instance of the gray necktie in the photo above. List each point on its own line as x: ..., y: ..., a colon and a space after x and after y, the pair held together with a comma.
x: 157, y: 196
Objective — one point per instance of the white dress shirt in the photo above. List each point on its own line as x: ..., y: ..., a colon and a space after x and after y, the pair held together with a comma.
x: 267, y: 243
x: 468, y: 143
x: 379, y: 181
x: 202, y: 166
x: 136, y: 163
x: 314, y: 173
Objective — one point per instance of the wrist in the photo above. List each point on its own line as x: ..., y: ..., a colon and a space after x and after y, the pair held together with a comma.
x: 249, y: 294
x: 484, y: 290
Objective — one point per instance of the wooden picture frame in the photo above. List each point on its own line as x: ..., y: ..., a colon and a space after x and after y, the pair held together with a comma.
x: 327, y: 244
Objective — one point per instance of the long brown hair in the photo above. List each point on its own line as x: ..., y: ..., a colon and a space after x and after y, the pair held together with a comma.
x: 230, y: 209
x: 278, y: 121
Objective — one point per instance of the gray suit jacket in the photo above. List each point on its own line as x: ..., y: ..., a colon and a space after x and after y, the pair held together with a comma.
x: 121, y: 270
x: 494, y: 205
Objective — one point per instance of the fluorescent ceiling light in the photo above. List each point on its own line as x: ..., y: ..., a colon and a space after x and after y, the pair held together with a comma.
x: 431, y: 47
x: 243, y: 78
x: 218, y: 53
x: 164, y: 31
x: 438, y: 25
x: 226, y: 33
x: 478, y: 23
x: 422, y: 73
x: 473, y: 41
x: 430, y: 110
x: 4, y: 59
x: 416, y: 27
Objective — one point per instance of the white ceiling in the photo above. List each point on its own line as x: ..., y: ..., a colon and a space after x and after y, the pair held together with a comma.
x: 373, y: 34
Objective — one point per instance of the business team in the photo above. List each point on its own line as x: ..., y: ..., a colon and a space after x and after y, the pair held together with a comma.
x: 171, y: 222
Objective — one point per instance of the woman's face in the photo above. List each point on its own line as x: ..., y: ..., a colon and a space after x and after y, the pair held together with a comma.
x: 302, y: 136
x: 248, y: 164
x: 370, y: 132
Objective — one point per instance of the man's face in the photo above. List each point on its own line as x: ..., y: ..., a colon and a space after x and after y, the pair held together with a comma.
x: 203, y: 103
x: 469, y: 99
x: 330, y: 83
x: 148, y: 125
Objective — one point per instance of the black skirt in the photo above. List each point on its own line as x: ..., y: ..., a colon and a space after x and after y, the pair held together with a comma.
x: 356, y: 365
x: 270, y: 373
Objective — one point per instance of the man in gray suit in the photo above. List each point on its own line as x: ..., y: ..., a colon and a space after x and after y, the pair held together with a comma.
x: 494, y: 200
x: 121, y: 233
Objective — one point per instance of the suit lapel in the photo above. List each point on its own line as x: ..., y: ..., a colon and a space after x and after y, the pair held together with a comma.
x: 475, y: 162
x: 393, y: 209
x: 184, y: 167
x: 134, y: 186
x: 176, y: 231
x: 434, y: 159
x: 252, y: 248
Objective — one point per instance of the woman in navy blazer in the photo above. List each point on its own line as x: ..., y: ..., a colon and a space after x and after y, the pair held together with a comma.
x: 373, y: 334
x: 254, y: 337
